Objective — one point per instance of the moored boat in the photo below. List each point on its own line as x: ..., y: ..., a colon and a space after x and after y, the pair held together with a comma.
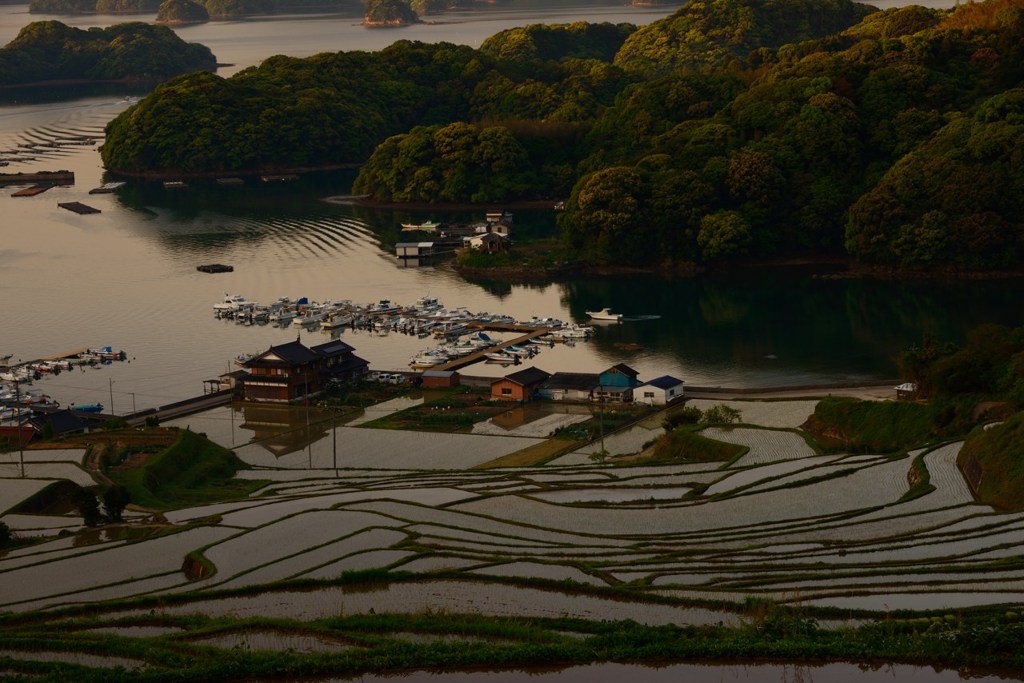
x: 604, y: 314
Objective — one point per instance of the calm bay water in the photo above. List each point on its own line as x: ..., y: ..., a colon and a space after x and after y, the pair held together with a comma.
x: 127, y: 277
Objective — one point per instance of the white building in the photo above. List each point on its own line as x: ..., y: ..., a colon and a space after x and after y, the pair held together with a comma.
x: 659, y: 391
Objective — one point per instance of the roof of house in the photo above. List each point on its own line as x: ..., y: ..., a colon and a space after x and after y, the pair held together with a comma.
x: 292, y: 353
x: 332, y: 348
x: 573, y: 380
x: 665, y: 382
x: 623, y: 368
x: 61, y: 421
x: 350, y: 363
x: 440, y: 373
x: 527, y: 376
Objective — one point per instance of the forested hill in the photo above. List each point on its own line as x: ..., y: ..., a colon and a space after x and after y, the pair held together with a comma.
x: 895, y: 137
x: 50, y: 51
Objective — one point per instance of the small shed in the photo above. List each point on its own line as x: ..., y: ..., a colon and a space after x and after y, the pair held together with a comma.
x: 440, y: 378
x: 519, y: 386
x: 570, y: 386
x: 659, y: 391
x: 414, y: 249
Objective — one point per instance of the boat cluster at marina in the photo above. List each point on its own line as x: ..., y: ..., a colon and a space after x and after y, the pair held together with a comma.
x: 460, y: 331
x: 19, y: 399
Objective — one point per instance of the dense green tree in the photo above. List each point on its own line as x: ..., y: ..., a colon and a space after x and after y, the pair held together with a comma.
x: 706, y: 33
x: 724, y: 235
x: 554, y: 42
x: 115, y: 500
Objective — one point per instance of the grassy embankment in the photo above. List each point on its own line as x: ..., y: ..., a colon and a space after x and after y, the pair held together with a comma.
x: 993, y: 462
x: 381, y: 644
x: 192, y: 471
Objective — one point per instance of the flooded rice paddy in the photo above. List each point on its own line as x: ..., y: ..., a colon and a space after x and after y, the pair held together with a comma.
x: 781, y: 521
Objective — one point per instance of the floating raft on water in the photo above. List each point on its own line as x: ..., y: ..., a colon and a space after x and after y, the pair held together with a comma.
x: 215, y: 268
x: 174, y: 185
x: 78, y: 207
x: 49, y: 177
x: 107, y: 188
x: 31, y: 191
x: 230, y: 181
x: 278, y: 178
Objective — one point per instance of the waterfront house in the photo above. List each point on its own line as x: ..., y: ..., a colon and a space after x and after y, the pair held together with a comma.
x: 283, y: 373
x: 292, y: 371
x: 571, y: 386
x: 659, y: 391
x: 489, y: 242
x: 339, y: 362
x: 519, y: 386
x: 616, y: 384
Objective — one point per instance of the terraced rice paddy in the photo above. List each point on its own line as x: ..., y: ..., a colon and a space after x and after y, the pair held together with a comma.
x: 781, y: 522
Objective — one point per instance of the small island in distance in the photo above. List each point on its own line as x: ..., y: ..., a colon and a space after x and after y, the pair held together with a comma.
x: 49, y: 51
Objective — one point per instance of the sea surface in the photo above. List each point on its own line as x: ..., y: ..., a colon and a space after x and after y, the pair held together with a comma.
x: 127, y: 276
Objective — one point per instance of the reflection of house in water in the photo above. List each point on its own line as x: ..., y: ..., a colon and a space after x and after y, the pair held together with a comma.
x: 283, y: 429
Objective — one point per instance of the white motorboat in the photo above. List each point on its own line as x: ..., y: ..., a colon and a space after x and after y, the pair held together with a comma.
x: 231, y: 303
x: 604, y: 314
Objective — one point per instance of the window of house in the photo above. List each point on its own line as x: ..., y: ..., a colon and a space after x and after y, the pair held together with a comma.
x: 506, y: 391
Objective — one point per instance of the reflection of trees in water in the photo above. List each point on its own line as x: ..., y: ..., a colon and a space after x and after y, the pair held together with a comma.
x: 789, y: 319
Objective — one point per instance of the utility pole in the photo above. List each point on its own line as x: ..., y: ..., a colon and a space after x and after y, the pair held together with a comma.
x: 17, y: 422
x: 111, y: 395
x: 133, y: 403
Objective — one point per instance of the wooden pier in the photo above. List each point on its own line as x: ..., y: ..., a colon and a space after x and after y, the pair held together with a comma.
x: 480, y: 355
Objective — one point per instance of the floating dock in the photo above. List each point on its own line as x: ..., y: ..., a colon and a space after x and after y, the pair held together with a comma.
x: 279, y: 178
x: 230, y: 181
x: 78, y: 207
x: 31, y: 191
x: 49, y: 177
x: 107, y: 188
x: 175, y: 185
x: 215, y: 268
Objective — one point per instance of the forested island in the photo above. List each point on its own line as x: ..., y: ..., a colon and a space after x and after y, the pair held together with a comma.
x: 732, y: 129
x: 52, y: 51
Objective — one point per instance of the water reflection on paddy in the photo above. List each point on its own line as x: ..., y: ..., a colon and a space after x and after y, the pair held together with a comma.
x: 706, y: 673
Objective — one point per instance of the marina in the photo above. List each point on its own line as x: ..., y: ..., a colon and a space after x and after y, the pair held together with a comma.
x: 462, y: 334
